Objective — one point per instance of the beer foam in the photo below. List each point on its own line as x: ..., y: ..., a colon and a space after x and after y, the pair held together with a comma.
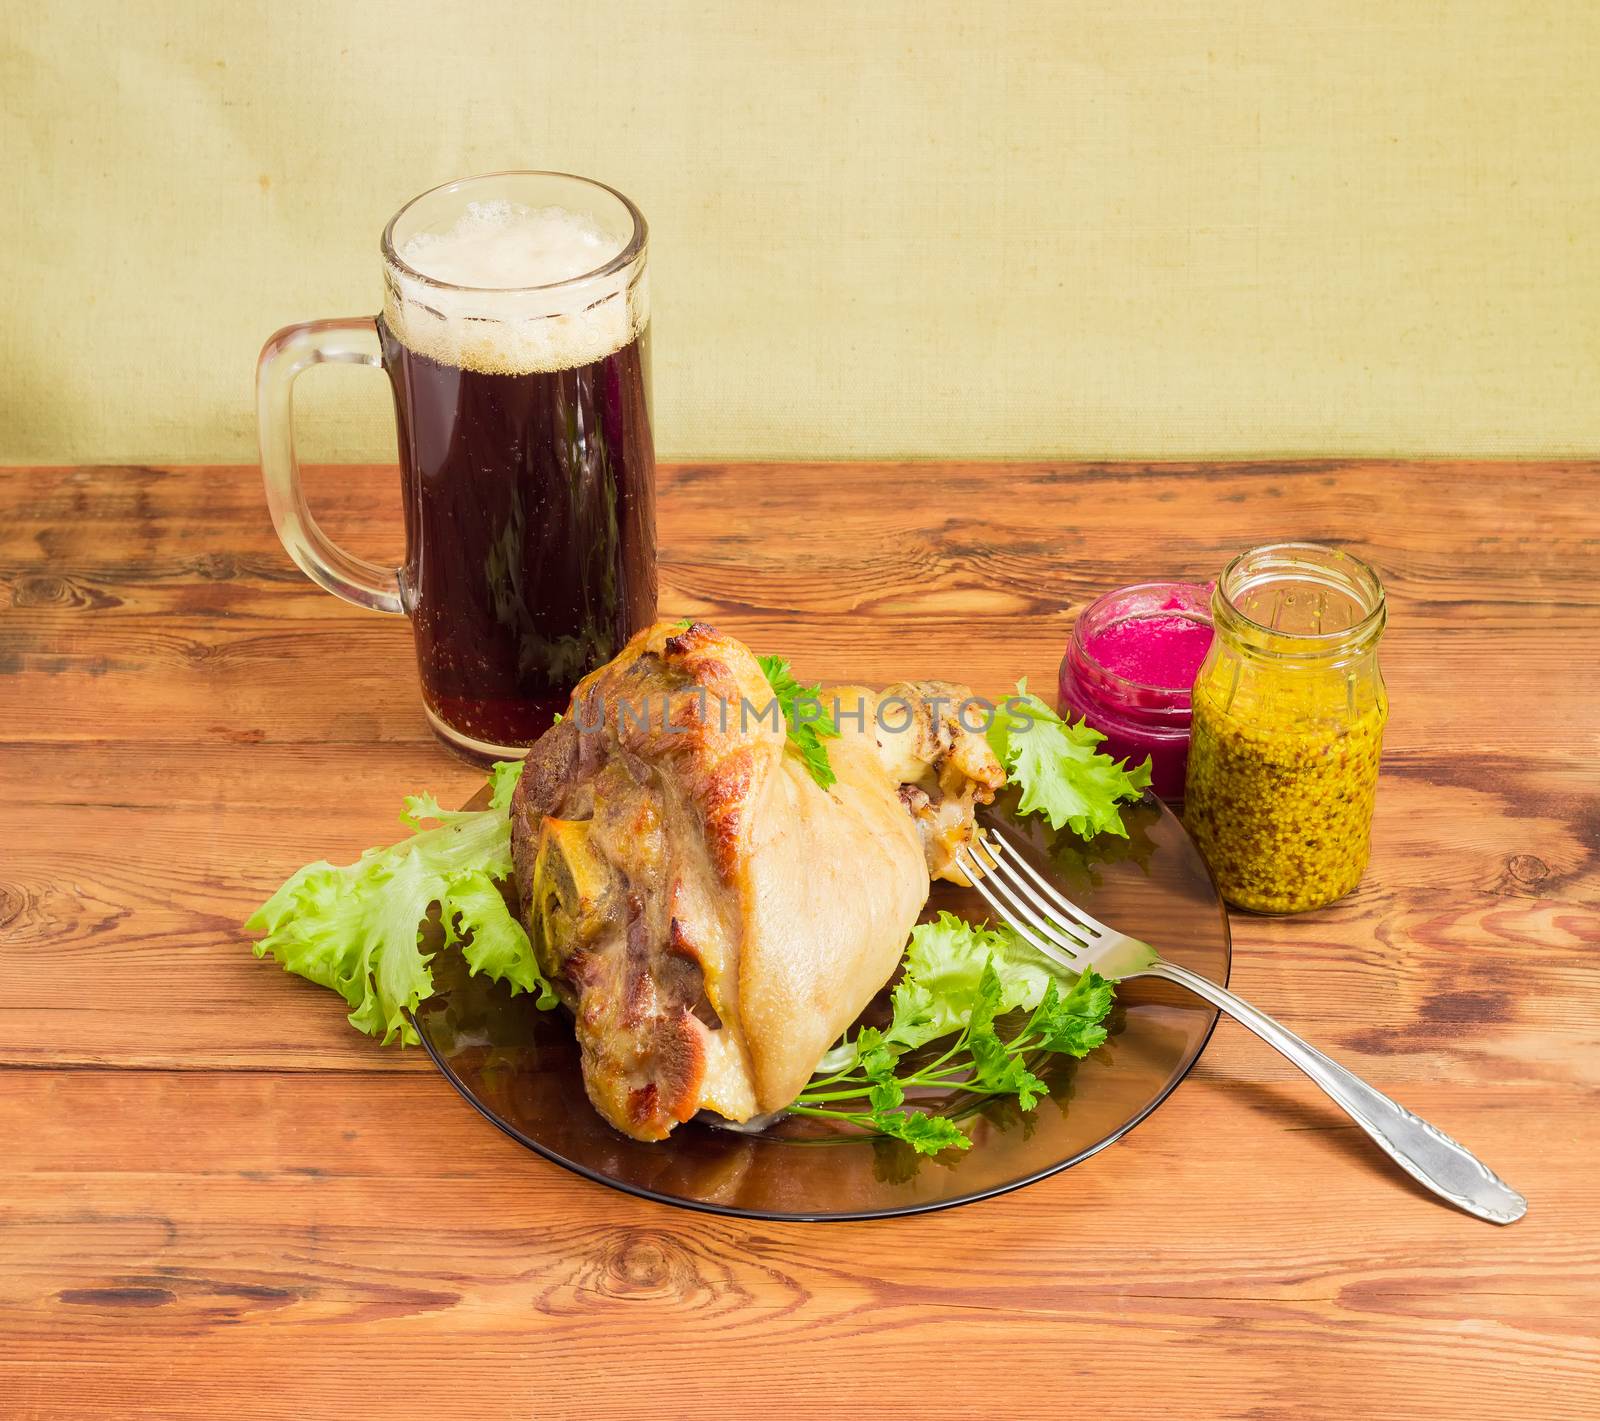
x: 524, y: 291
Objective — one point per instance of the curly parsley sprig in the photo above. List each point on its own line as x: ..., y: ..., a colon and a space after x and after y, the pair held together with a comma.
x: 807, y: 722
x: 869, y: 1087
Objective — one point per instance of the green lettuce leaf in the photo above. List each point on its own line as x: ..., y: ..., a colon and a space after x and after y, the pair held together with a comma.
x: 503, y: 777
x: 476, y: 917
x: 356, y: 928
x: 944, y: 973
x: 1062, y: 775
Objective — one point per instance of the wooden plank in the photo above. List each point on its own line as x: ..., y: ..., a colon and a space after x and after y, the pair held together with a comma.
x: 178, y: 574
x: 116, y: 941
x: 215, y: 1198
x: 1495, y: 992
x: 336, y: 1245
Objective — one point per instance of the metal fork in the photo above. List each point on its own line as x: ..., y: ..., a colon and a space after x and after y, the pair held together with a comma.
x: 1067, y: 935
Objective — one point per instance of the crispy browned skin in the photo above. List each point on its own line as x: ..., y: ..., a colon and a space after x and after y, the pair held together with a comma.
x: 713, y: 917
x: 622, y: 826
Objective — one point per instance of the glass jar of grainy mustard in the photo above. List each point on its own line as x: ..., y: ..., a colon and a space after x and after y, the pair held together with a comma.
x: 1288, y: 716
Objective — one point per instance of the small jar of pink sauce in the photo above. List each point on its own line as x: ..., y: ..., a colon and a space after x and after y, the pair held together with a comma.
x: 1129, y: 668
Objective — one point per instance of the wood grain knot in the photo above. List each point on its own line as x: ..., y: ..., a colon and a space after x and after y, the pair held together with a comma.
x: 45, y: 590
x: 1527, y: 869
x: 13, y: 899
x: 216, y: 567
x: 645, y: 1264
x: 39, y: 591
x: 1526, y: 876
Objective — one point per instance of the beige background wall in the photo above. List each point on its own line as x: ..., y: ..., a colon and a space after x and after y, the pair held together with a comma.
x: 1188, y: 227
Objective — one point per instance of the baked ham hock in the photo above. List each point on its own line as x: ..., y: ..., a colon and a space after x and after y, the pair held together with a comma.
x: 714, y: 918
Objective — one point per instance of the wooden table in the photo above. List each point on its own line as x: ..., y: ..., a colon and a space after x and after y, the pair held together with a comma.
x: 217, y: 1200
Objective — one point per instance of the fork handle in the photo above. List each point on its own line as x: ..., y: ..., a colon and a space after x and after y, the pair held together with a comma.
x: 1428, y: 1155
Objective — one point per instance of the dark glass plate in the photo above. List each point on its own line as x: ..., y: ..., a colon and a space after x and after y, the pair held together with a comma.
x: 519, y: 1066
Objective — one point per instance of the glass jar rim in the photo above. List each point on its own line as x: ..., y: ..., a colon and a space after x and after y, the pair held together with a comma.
x: 630, y: 253
x: 1340, y: 570
x: 1200, y: 614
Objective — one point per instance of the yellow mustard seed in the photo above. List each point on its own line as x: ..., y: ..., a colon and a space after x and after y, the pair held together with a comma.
x: 1280, y: 795
x: 1287, y: 718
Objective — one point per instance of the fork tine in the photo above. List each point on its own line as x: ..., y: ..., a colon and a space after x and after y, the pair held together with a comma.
x: 1058, y: 954
x: 1060, y: 907
x: 1002, y: 897
x: 1038, y: 912
x: 1023, y: 902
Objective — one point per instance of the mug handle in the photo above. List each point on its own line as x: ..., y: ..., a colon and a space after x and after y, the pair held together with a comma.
x: 351, y: 341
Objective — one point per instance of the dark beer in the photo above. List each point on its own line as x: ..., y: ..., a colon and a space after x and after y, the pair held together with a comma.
x: 528, y: 474
x: 530, y: 531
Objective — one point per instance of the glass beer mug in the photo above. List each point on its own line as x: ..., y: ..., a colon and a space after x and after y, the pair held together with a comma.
x: 514, y: 332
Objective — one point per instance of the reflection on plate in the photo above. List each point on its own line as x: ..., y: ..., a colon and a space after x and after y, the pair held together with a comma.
x: 519, y: 1066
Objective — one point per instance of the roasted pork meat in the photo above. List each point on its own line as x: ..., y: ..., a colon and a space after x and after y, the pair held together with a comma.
x: 713, y: 916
